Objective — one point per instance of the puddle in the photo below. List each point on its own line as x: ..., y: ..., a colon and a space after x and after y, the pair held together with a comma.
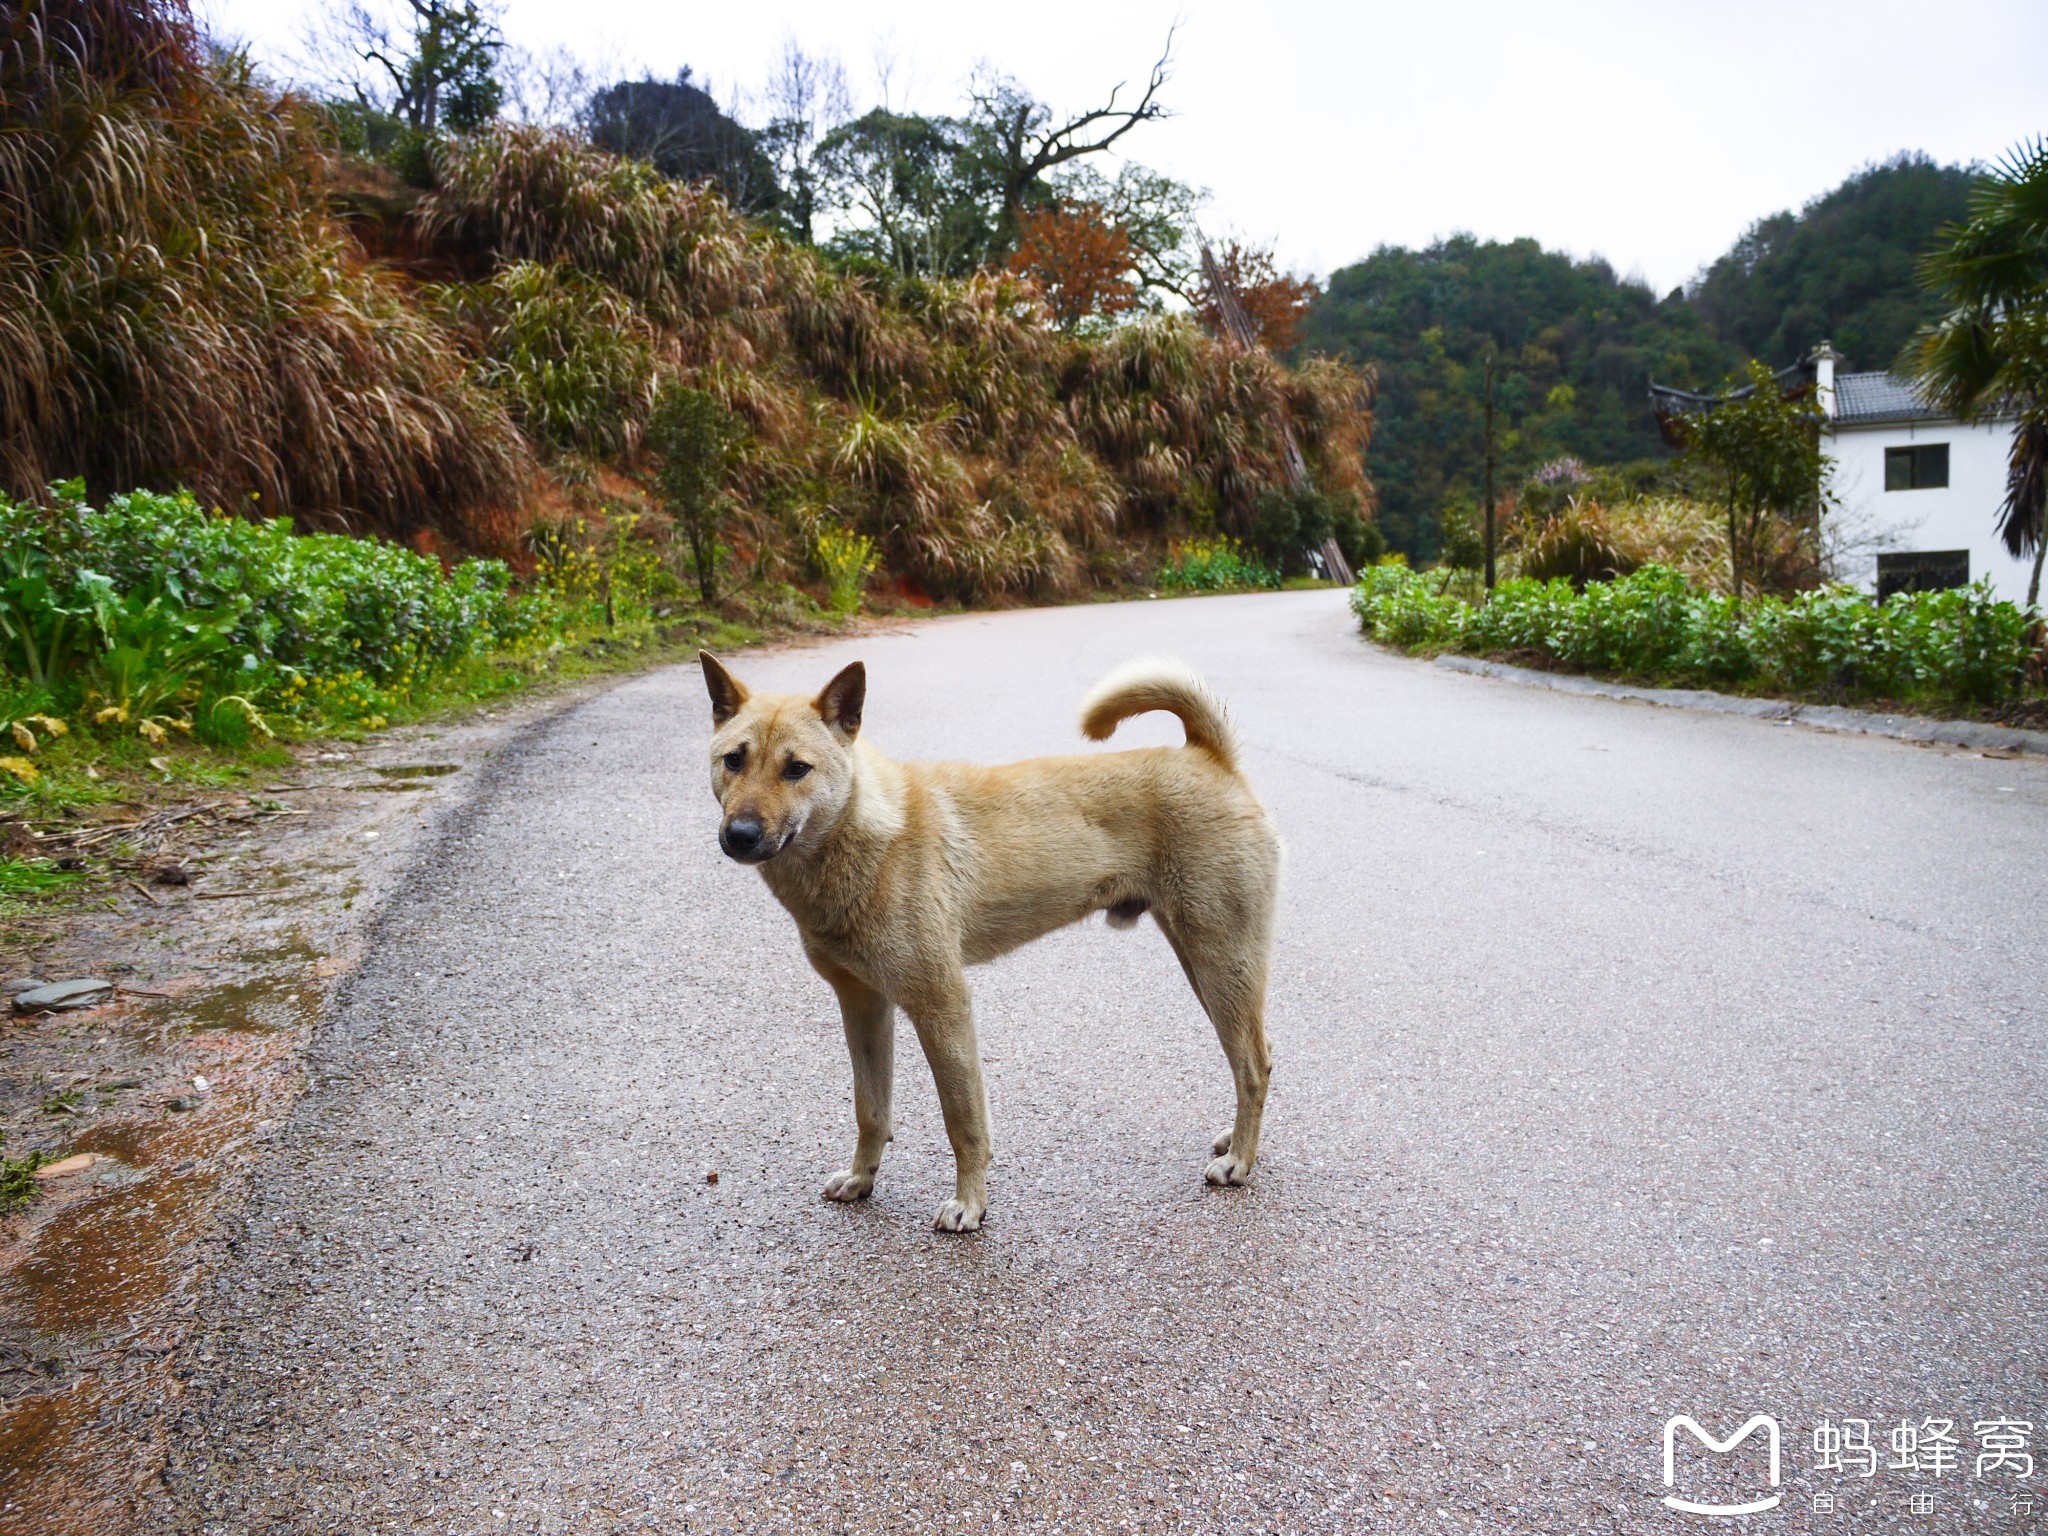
x: 97, y: 1274
x: 100, y: 1264
x: 269, y: 1003
x: 416, y: 771
x: 56, y: 1476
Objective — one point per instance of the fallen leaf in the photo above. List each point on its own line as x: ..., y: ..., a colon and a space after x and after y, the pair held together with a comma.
x: 21, y: 768
x: 77, y: 1162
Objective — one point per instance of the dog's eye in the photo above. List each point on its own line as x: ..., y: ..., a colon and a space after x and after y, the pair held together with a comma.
x: 735, y: 761
x: 794, y: 769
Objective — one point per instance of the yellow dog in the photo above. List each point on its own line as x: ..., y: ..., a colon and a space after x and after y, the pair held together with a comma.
x: 900, y: 875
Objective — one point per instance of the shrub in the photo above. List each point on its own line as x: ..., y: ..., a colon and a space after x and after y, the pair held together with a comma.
x: 1960, y: 646
x: 847, y: 559
x: 1576, y: 544
x: 152, y: 603
x: 570, y: 358
x: 699, y: 443
x: 1215, y: 565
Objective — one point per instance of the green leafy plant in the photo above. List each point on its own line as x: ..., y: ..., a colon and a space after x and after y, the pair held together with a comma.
x: 1762, y: 446
x: 1219, y: 564
x: 847, y: 559
x: 18, y: 1177
x: 34, y: 877
x: 699, y: 442
x: 1961, y: 646
x: 141, y: 609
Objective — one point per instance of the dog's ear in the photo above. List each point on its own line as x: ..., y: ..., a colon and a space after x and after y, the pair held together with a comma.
x: 728, y: 693
x: 840, y: 703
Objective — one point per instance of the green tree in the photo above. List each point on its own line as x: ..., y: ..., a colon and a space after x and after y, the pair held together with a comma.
x: 1762, y: 447
x: 439, y: 73
x: 698, y: 441
x: 679, y: 129
x: 942, y: 196
x: 1015, y: 141
x: 1577, y: 348
x: 1988, y: 356
x: 911, y: 198
x: 1841, y: 268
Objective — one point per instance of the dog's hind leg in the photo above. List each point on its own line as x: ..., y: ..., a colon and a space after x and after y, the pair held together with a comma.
x: 1227, y: 968
x: 871, y: 1042
x: 940, y: 1008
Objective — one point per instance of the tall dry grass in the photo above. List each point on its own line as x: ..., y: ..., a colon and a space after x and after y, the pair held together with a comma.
x: 176, y: 304
x: 177, y: 307
x: 984, y: 451
x: 1590, y: 540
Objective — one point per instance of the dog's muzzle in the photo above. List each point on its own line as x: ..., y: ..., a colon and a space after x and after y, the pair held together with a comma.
x: 743, y: 838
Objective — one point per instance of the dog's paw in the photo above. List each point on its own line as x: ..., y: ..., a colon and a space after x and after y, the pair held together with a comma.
x: 848, y: 1185
x: 1221, y: 1144
x: 1227, y: 1169
x: 959, y: 1216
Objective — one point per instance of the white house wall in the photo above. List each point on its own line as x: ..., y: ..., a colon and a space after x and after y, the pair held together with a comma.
x: 1961, y: 515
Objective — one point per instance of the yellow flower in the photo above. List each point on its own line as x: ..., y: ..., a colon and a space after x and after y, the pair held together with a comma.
x: 112, y: 712
x: 21, y: 768
x: 24, y: 738
x: 50, y: 724
x: 151, y: 732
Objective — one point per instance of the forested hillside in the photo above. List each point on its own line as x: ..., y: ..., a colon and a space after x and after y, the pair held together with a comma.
x: 1577, y: 345
x: 1841, y: 269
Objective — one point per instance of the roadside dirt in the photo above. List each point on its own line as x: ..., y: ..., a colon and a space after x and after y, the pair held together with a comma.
x: 171, y: 1088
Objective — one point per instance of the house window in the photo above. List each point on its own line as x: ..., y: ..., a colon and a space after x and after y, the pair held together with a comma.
x: 1922, y: 467
x: 1922, y: 571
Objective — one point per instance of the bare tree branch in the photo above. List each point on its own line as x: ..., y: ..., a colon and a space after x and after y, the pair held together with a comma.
x: 1029, y: 146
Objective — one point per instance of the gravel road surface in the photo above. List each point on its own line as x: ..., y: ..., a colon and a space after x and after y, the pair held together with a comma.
x: 1628, y: 1062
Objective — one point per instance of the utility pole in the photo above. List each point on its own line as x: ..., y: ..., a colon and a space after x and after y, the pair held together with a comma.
x: 1489, y: 466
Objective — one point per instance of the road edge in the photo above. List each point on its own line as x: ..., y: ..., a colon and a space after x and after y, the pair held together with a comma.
x: 1826, y: 717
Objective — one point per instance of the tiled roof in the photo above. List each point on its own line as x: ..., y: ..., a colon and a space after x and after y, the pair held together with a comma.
x: 1867, y: 397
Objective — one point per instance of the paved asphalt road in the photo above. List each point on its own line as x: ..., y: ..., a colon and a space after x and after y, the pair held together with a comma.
x: 1628, y: 1062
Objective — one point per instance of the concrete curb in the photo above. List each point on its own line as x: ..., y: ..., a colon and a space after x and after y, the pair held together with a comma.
x: 1826, y: 717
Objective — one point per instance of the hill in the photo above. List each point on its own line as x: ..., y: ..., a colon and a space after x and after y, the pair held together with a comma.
x: 1576, y: 348
x: 1577, y: 345
x: 1840, y: 269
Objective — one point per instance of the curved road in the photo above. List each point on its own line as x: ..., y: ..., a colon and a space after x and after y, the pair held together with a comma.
x: 1629, y: 1062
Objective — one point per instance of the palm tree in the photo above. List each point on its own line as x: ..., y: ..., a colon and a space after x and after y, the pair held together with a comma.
x: 1989, y: 354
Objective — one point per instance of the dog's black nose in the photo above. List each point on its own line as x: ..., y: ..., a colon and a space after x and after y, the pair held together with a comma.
x: 741, y: 837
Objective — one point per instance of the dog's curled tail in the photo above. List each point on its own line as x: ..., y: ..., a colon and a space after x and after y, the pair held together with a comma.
x: 1160, y: 682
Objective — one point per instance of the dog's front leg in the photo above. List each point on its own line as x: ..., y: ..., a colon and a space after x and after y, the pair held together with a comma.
x: 871, y: 1042
x: 940, y: 1009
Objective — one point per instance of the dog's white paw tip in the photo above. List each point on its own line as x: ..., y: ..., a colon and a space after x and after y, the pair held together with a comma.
x: 958, y: 1216
x: 1226, y: 1170
x: 849, y: 1186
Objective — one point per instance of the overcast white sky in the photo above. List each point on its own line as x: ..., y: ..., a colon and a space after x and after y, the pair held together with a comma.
x: 1651, y: 133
